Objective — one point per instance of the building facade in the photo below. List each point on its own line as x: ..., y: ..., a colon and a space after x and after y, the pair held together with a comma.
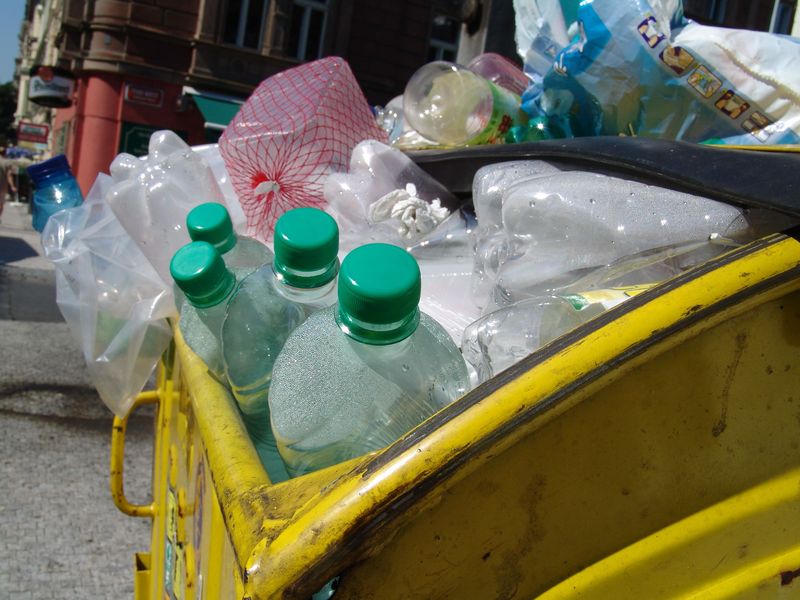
x: 136, y: 66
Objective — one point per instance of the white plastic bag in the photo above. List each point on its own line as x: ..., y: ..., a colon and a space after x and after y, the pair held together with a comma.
x: 114, y: 302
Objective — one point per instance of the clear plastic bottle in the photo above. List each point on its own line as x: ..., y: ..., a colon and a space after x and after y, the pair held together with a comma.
x: 210, y: 222
x: 355, y: 377
x: 505, y: 336
x: 502, y: 338
x: 573, y: 220
x: 451, y: 105
x: 56, y: 189
x: 267, y: 306
x: 500, y: 71
x: 201, y: 274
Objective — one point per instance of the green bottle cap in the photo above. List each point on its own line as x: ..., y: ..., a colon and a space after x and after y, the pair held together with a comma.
x: 306, y: 248
x: 200, y: 273
x: 210, y: 222
x: 379, y: 291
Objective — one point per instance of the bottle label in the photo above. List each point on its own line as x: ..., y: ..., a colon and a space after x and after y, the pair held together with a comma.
x: 506, y: 113
x: 607, y: 298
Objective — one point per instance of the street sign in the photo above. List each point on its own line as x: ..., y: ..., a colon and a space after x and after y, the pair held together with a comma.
x: 32, y: 132
x: 51, y: 86
x: 140, y: 94
x: 134, y: 138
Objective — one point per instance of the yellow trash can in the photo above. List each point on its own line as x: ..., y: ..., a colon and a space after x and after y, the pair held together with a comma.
x: 653, y: 452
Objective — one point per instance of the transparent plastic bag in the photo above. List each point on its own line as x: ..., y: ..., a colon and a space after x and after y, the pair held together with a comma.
x: 113, y: 300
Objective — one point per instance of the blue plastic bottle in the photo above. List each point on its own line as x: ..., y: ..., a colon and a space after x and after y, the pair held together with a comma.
x: 56, y: 189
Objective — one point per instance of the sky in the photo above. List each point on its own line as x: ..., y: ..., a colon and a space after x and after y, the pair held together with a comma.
x: 9, y: 36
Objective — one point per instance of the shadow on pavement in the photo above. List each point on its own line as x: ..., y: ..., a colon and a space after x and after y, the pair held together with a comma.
x: 28, y: 295
x: 14, y: 249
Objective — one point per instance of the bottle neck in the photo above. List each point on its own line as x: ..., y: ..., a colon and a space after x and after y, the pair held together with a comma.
x: 219, y: 300
x: 376, y: 334
x: 302, y: 295
x: 229, y: 245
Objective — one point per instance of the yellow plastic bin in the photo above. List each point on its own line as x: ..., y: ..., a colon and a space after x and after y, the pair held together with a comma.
x: 652, y: 453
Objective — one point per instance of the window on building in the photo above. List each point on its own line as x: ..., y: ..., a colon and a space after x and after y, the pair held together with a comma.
x: 783, y: 16
x: 443, y: 44
x: 244, y: 22
x: 307, y: 30
x: 768, y: 15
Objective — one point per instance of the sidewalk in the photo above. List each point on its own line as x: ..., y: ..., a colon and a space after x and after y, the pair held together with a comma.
x: 62, y: 535
x: 20, y: 244
x: 43, y: 372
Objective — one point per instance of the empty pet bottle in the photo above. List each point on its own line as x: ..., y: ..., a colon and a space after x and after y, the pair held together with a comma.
x: 210, y: 222
x: 267, y: 306
x: 357, y: 376
x: 201, y: 274
x: 542, y: 313
x: 451, y: 105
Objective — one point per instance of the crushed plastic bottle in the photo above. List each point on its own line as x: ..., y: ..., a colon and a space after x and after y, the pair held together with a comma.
x: 267, y: 306
x: 554, y: 224
x: 356, y: 377
x: 505, y: 336
x: 491, y: 244
x: 201, y: 274
x: 451, y: 105
x: 152, y: 197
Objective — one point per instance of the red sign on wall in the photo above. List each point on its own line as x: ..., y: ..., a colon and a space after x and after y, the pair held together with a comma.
x: 139, y: 94
x: 32, y: 132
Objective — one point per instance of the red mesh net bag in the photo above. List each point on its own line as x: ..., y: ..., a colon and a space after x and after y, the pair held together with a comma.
x: 295, y: 129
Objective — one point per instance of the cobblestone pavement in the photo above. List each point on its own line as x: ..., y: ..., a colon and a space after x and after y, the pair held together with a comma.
x: 60, y: 534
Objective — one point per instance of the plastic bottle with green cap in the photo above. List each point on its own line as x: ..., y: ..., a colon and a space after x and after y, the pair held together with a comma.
x: 355, y: 377
x: 267, y: 306
x: 201, y: 274
x: 211, y: 222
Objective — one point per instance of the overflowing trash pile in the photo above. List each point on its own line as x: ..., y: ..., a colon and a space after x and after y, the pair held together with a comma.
x: 341, y: 293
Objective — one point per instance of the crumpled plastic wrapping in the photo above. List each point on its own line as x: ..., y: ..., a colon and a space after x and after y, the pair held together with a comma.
x: 112, y: 298
x: 385, y: 197
x: 638, y: 67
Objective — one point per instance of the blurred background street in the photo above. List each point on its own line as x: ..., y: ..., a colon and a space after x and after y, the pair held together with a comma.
x: 60, y: 534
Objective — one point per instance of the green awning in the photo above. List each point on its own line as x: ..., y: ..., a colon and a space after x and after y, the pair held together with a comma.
x: 217, y: 112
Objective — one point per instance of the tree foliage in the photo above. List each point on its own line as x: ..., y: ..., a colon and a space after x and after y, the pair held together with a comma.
x: 8, y: 105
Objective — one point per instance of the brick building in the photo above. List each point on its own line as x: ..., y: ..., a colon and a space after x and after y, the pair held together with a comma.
x: 186, y: 65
